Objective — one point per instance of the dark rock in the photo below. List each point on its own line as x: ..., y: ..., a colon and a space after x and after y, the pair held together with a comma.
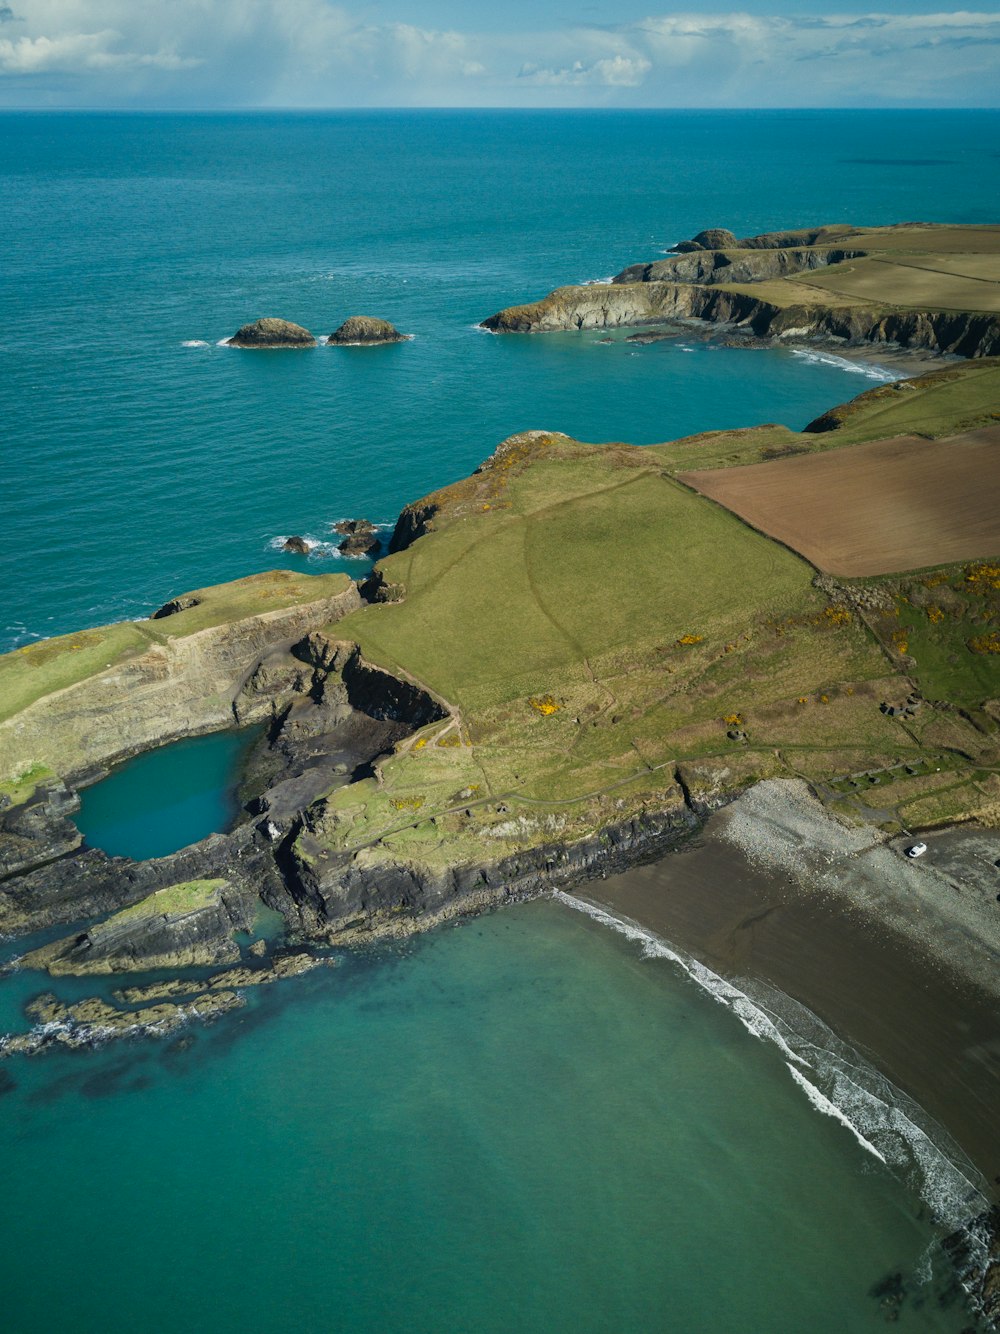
x: 270, y: 332
x: 348, y: 527
x: 297, y: 544
x: 38, y: 831
x: 654, y: 336
x: 172, y: 607
x: 686, y: 247
x: 360, y: 537
x: 360, y: 544
x: 377, y: 588
x: 413, y: 522
x: 367, y: 331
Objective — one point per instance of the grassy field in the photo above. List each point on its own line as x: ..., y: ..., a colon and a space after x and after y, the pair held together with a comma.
x: 597, y: 626
x: 601, y: 630
x: 903, y: 268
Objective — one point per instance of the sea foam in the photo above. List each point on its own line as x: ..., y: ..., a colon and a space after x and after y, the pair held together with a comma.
x: 837, y: 1081
x: 866, y: 368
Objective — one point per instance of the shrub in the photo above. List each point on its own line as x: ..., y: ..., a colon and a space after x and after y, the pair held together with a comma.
x: 545, y: 705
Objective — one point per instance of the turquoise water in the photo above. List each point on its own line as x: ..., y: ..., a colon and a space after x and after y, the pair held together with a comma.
x: 165, y: 799
x: 138, y: 468
x: 521, y: 1123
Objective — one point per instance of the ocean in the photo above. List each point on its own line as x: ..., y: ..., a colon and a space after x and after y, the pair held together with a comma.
x: 528, y: 1121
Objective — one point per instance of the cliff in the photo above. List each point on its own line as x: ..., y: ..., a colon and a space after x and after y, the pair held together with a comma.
x: 963, y: 334
x: 85, y: 701
x: 917, y: 287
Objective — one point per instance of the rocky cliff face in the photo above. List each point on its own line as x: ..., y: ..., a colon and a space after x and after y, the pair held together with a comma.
x: 597, y: 307
x: 721, y: 266
x: 356, y: 893
x: 181, y: 687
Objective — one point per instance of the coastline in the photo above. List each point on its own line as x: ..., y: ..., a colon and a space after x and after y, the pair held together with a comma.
x: 918, y: 1002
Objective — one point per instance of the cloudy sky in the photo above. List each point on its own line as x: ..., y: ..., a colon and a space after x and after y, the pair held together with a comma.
x: 522, y: 53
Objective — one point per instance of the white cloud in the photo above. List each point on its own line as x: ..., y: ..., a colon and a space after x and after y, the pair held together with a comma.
x: 612, y: 72
x: 315, y: 53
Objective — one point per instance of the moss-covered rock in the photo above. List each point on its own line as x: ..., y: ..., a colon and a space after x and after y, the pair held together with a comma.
x: 270, y: 332
x: 365, y: 330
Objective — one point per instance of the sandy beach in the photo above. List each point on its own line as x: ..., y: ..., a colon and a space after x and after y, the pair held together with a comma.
x: 897, y: 957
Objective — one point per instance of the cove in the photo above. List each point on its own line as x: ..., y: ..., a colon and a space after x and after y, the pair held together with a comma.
x: 166, y: 799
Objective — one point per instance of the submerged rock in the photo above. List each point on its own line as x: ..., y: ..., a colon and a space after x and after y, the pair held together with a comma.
x: 93, y: 1021
x: 655, y: 336
x: 270, y: 332
x: 364, y: 329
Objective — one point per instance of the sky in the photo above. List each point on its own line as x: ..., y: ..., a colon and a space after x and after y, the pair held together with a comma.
x: 219, y: 54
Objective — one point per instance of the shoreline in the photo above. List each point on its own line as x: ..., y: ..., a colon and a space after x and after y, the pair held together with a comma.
x: 887, y: 970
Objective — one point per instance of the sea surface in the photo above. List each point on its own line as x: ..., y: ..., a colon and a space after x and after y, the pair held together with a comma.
x: 530, y: 1121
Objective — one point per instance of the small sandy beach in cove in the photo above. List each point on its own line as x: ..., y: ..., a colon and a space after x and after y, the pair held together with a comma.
x: 901, y: 959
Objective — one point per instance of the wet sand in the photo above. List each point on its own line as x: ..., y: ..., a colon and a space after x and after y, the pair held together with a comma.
x: 923, y: 1020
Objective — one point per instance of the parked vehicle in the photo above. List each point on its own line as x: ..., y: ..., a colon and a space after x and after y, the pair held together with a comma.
x: 916, y: 850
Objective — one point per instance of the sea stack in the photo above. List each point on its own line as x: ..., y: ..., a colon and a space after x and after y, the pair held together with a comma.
x: 270, y: 332
x: 360, y: 537
x: 366, y: 331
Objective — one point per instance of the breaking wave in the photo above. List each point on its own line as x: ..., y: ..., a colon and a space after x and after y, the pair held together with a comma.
x: 866, y: 368
x: 837, y: 1081
x: 195, y: 342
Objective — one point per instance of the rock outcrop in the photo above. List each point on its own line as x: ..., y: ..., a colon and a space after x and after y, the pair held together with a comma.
x: 180, y: 926
x: 298, y: 545
x: 601, y: 307
x: 339, y: 896
x: 177, y: 684
x: 365, y: 331
x: 708, y: 279
x: 713, y: 238
x: 360, y: 537
x: 271, y: 333
x: 721, y: 266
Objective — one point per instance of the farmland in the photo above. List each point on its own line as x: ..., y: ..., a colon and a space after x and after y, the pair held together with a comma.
x: 879, y: 508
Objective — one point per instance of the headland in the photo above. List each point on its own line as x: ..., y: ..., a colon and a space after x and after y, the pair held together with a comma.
x: 566, y: 664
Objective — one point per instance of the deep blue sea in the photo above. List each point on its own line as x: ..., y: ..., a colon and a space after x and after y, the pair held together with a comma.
x: 528, y: 1122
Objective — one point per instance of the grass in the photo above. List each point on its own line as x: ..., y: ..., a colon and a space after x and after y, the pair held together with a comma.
x: 598, y: 628
x: 596, y: 625
x: 185, y: 897
x: 256, y: 595
x: 20, y: 788
x: 36, y: 670
x: 937, y: 619
x: 589, y: 559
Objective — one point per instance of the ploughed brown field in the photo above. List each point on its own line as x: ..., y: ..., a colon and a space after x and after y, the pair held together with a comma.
x: 877, y: 508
